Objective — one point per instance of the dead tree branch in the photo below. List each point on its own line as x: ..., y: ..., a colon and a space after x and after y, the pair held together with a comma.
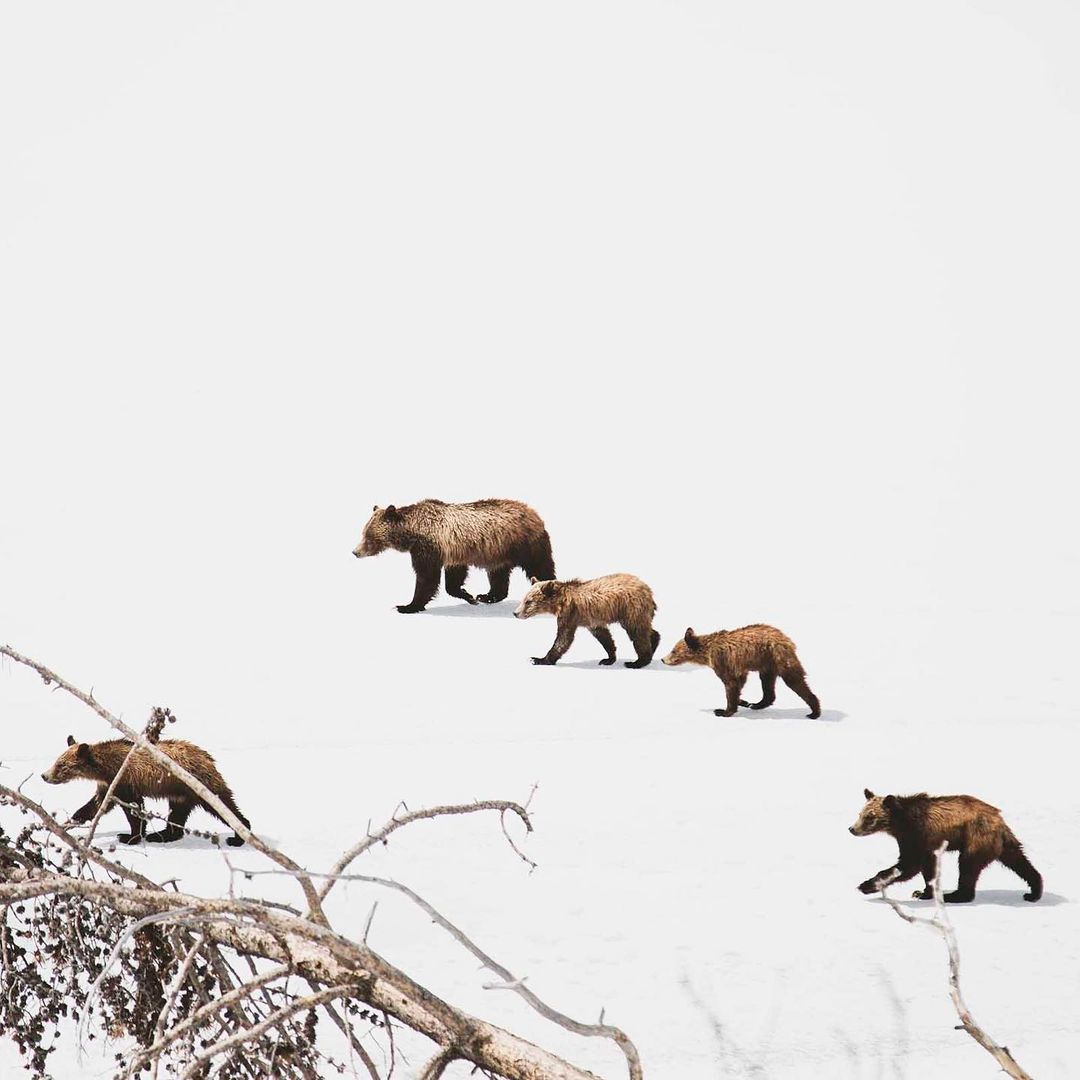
x: 941, y: 924
x: 158, y: 966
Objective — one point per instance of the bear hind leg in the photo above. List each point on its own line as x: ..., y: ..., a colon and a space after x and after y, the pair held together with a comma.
x: 133, y: 811
x: 498, y: 586
x: 1012, y: 856
x: 536, y: 559
x: 971, y: 866
x: 644, y: 639
x: 179, y: 812
x: 455, y: 583
x: 603, y: 635
x: 796, y: 680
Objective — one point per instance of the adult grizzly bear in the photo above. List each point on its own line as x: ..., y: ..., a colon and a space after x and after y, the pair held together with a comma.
x: 734, y: 653
x: 595, y: 604
x: 493, y: 534
x: 920, y: 824
x: 144, y: 778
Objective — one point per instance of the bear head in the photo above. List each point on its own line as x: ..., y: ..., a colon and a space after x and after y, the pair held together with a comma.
x: 687, y: 650
x: 378, y: 532
x: 75, y: 763
x: 876, y: 815
x: 542, y: 599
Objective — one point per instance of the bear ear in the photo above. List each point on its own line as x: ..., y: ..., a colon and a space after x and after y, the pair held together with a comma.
x: 83, y: 752
x: 690, y: 638
x: 867, y: 793
x: 548, y: 589
x: 533, y: 580
x: 71, y: 740
x: 374, y: 509
x: 889, y: 802
x: 391, y: 511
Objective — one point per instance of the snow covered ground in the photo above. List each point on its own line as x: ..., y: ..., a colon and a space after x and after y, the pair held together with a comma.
x: 773, y: 308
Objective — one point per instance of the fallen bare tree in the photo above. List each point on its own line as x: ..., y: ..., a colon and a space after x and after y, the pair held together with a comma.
x: 196, y: 986
x: 941, y: 924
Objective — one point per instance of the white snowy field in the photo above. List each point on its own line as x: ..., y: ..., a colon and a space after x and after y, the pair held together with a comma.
x: 773, y: 306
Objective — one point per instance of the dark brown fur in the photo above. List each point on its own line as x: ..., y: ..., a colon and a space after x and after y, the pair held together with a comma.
x: 595, y: 604
x: 920, y: 824
x: 732, y: 654
x: 495, y: 535
x: 143, y: 779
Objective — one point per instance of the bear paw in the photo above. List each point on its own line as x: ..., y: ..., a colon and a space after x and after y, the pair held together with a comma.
x: 128, y: 838
x: 542, y: 661
x: 608, y: 662
x: 869, y: 886
x: 235, y: 841
x: 410, y: 609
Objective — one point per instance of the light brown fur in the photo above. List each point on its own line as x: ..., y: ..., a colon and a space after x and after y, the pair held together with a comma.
x: 920, y: 824
x: 732, y: 654
x: 595, y: 604
x: 143, y: 778
x: 492, y: 534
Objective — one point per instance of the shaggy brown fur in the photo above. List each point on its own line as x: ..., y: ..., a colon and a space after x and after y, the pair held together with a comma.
x: 493, y: 534
x: 920, y: 824
x: 734, y: 653
x: 595, y: 604
x: 143, y: 779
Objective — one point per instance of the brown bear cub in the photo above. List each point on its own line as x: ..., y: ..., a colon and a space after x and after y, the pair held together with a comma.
x: 493, y: 534
x: 595, y: 604
x: 920, y: 824
x: 734, y: 653
x: 143, y: 779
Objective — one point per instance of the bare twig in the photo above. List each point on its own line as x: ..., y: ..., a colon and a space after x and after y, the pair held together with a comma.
x: 941, y: 924
x: 396, y: 823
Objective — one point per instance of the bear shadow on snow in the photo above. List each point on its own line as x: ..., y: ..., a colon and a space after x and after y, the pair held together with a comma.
x: 185, y: 843
x: 502, y: 610
x: 828, y: 716
x: 995, y: 897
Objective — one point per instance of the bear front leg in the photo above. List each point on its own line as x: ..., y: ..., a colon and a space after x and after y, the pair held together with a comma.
x: 929, y: 870
x: 603, y: 635
x: 734, y: 686
x: 563, y: 640
x: 768, y: 691
x: 87, y: 811
x: 136, y: 821
x: 498, y: 586
x: 902, y: 871
x: 428, y: 566
x: 455, y: 584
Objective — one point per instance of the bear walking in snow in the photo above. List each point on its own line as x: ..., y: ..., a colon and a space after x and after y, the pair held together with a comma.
x: 920, y: 824
x: 734, y: 653
x: 493, y: 534
x: 144, y: 778
x: 595, y: 604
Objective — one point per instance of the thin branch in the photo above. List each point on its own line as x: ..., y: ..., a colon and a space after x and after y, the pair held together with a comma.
x: 434, y: 1069
x: 941, y: 924
x: 396, y: 823
x: 344, y: 1027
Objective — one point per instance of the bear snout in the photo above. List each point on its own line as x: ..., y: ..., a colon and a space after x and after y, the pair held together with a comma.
x: 851, y: 829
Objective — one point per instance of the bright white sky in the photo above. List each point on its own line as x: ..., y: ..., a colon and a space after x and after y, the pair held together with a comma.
x: 760, y: 285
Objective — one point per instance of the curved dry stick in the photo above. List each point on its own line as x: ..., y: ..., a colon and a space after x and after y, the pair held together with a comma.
x: 178, y: 982
x: 942, y: 924
x: 511, y: 982
x: 396, y: 823
x: 434, y: 1069
x: 196, y: 785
